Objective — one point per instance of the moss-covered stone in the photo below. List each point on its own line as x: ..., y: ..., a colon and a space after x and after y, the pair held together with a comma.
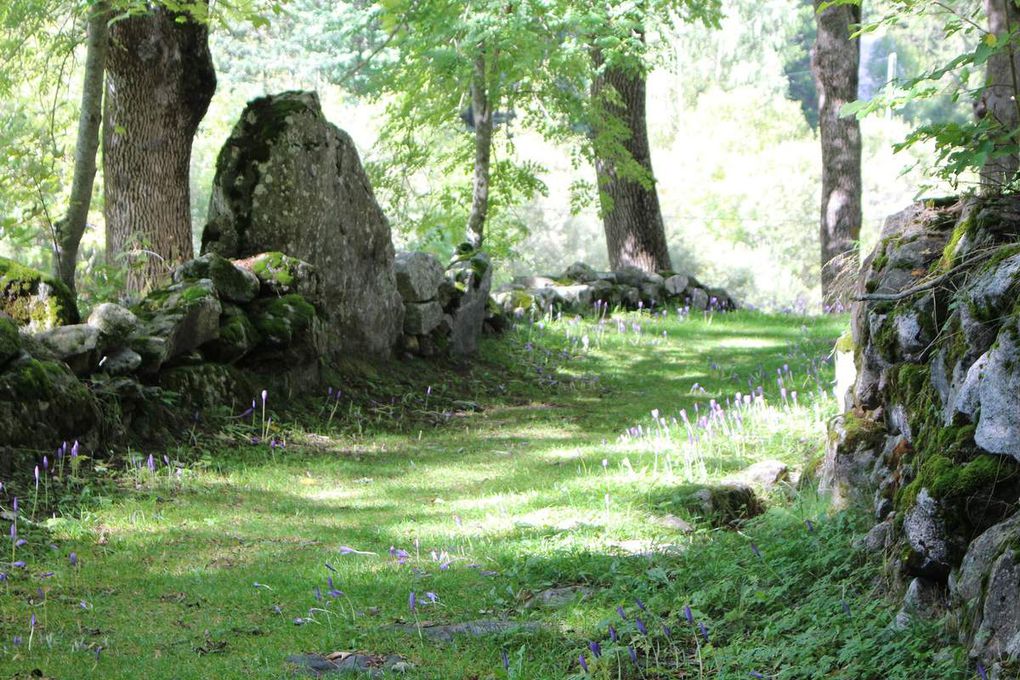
x: 10, y: 340
x: 35, y: 299
x: 231, y: 282
x: 238, y: 336
x: 280, y: 320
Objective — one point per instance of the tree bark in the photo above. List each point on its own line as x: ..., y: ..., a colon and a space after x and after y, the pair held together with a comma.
x: 160, y: 81
x: 835, y: 60
x: 631, y: 216
x: 70, y: 229
x: 481, y: 109
x: 999, y: 99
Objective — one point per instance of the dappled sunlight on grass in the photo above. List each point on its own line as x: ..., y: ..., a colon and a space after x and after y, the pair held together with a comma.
x: 559, y: 480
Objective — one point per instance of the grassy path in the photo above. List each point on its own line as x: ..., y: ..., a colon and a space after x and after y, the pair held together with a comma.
x: 496, y: 485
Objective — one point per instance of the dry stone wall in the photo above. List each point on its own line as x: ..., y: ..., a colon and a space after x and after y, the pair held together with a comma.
x: 930, y: 441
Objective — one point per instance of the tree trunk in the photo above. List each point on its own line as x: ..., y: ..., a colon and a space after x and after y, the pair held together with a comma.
x: 631, y: 217
x: 71, y: 228
x: 482, y: 118
x: 999, y: 98
x: 834, y: 61
x: 160, y: 81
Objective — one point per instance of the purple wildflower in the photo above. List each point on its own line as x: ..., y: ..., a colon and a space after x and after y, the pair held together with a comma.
x: 688, y: 614
x: 981, y: 671
x: 318, y: 594
x: 704, y: 631
x: 596, y: 649
x: 623, y: 614
x: 667, y: 631
x: 432, y: 597
x: 584, y: 664
x: 810, y: 526
x: 265, y: 397
x: 633, y: 654
x: 31, y: 621
x: 20, y: 542
x: 412, y: 601
x: 612, y: 633
x: 506, y: 660
x: 846, y: 608
x: 37, y: 475
x: 15, y: 505
x: 640, y: 604
x: 74, y: 449
x: 756, y: 551
x: 640, y: 626
x: 20, y: 564
x: 45, y: 463
x: 16, y: 640
x: 756, y: 674
x: 151, y: 463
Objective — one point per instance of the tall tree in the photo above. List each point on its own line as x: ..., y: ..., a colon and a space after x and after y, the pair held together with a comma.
x: 160, y: 82
x: 998, y: 104
x: 835, y: 61
x: 631, y: 216
x: 69, y: 230
x: 481, y: 121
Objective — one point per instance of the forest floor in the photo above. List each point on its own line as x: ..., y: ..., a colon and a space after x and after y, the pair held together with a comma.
x: 547, y: 493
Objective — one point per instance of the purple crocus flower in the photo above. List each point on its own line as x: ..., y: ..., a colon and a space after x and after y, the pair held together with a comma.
x: 810, y: 526
x: 612, y: 633
x: 667, y: 631
x: 15, y: 505
x: 45, y: 463
x: 756, y: 551
x: 347, y: 550
x: 633, y: 654
x: 688, y: 614
x: 756, y: 674
x: 640, y: 604
x: 75, y: 448
x: 412, y: 601
x: 20, y: 542
x: 640, y: 626
x: 16, y: 640
x: 981, y: 671
x: 704, y: 631
x: 151, y: 463
x: 37, y: 475
x: 20, y: 564
x: 31, y: 621
x: 623, y: 614
x: 506, y: 660
x: 432, y: 597
x: 318, y: 594
x: 265, y: 397
x: 596, y: 649
x: 584, y: 664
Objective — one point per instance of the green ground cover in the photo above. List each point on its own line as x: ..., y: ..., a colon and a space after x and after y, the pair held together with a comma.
x: 553, y: 462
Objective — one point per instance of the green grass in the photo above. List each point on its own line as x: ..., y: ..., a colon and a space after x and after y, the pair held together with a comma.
x: 527, y: 470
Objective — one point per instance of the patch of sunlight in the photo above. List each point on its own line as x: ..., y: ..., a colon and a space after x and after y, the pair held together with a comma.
x: 747, y: 342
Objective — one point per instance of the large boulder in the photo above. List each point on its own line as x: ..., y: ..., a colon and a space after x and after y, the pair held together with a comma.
x: 10, y: 339
x: 288, y: 180
x: 33, y: 299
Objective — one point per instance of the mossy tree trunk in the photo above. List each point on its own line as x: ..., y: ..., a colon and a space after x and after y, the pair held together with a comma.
x: 70, y: 229
x: 999, y: 100
x: 631, y: 216
x: 835, y: 60
x: 160, y: 81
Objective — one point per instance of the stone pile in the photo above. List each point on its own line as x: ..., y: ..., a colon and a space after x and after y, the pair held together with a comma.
x: 214, y: 336
x: 580, y: 289
x: 931, y: 437
x: 444, y: 310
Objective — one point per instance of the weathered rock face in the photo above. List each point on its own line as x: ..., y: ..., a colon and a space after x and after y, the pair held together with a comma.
x: 581, y: 289
x: 34, y: 300
x: 936, y: 342
x: 288, y: 180
x: 474, y: 280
